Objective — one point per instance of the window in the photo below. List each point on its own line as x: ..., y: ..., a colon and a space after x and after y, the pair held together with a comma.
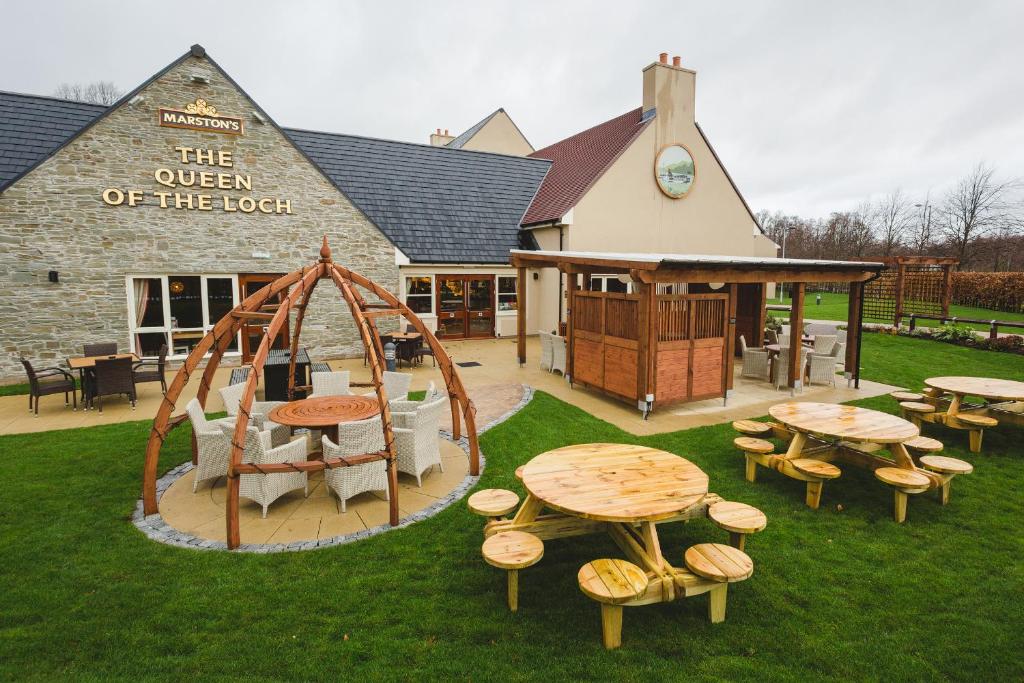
x: 177, y: 310
x: 419, y: 294
x: 507, y: 296
x: 609, y: 283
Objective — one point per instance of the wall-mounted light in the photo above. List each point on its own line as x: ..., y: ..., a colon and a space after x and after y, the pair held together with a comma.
x: 536, y: 276
x: 138, y: 99
x: 202, y: 79
x: 716, y: 285
x: 260, y: 118
x: 54, y: 276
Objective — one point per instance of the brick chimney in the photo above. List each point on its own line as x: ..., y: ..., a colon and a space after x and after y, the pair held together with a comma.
x: 439, y: 139
x: 669, y: 88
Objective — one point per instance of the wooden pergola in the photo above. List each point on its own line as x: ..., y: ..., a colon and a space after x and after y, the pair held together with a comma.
x: 679, y: 344
x: 263, y: 305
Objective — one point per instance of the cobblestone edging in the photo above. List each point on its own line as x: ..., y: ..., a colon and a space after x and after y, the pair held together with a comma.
x: 158, y: 530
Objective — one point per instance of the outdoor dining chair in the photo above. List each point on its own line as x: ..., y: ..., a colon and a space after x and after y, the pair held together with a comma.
x: 213, y: 443
x: 781, y: 366
x: 264, y: 489
x: 784, y: 339
x: 416, y: 438
x: 46, y: 381
x: 152, y: 370
x: 545, y: 351
x: 113, y: 376
x: 558, y: 354
x: 755, y: 361
x: 773, y: 336
x: 100, y: 349
x: 396, y: 385
x: 232, y: 397
x: 823, y: 366
x: 333, y: 383
x: 823, y: 343
x: 356, y: 438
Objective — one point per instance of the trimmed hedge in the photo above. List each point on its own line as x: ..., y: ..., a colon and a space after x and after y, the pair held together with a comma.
x: 995, y: 291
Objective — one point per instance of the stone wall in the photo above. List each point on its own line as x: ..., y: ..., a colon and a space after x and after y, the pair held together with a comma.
x: 54, y: 218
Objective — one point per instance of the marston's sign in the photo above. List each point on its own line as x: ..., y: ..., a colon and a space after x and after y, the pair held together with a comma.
x: 201, y: 116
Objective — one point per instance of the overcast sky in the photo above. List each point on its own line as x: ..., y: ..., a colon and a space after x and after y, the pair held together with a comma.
x: 813, y: 106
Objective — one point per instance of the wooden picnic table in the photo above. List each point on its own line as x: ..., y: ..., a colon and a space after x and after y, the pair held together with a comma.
x: 1003, y: 390
x: 625, y: 491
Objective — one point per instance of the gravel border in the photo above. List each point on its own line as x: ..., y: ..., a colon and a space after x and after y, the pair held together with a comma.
x: 155, y: 528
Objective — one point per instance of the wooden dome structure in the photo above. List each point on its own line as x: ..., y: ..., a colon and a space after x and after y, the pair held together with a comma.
x: 298, y: 286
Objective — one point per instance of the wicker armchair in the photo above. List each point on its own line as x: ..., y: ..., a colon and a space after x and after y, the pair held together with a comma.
x: 264, y: 489
x: 781, y: 367
x: 330, y: 383
x: 356, y: 438
x: 232, y: 397
x: 823, y: 366
x: 113, y: 377
x: 152, y: 370
x: 546, y: 351
x: 823, y: 344
x: 773, y: 336
x: 417, y: 440
x: 410, y: 406
x: 396, y: 386
x: 755, y: 361
x: 841, y: 336
x: 46, y: 381
x: 840, y: 354
x: 213, y: 443
x: 558, y: 354
x: 783, y: 339
x: 101, y: 349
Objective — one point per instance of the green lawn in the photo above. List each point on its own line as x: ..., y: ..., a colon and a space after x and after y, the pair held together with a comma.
x: 839, y: 593
x: 834, y: 307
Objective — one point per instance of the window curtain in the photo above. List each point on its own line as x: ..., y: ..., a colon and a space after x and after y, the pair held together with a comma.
x: 141, y: 291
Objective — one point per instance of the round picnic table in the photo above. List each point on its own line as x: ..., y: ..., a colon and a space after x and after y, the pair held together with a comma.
x: 848, y: 423
x: 987, y: 388
x: 612, y: 482
x: 325, y: 412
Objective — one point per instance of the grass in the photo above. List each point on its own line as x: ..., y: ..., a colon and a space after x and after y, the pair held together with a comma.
x: 834, y: 307
x: 837, y: 594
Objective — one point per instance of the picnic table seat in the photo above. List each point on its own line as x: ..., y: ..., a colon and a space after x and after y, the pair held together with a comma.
x: 493, y: 503
x: 948, y: 468
x: 817, y: 473
x: 612, y: 582
x: 922, y: 445
x: 752, y: 427
x: 904, y: 482
x: 913, y: 410
x: 721, y: 563
x: 519, y: 472
x: 976, y: 424
x: 512, y: 551
x: 755, y: 452
x: 906, y: 396
x: 739, y: 519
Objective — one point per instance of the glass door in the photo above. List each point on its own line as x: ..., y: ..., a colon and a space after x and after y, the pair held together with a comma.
x: 480, y: 309
x: 451, y: 306
x: 252, y: 330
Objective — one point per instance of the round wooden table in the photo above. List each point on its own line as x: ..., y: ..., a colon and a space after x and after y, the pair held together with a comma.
x: 325, y: 412
x: 848, y: 423
x: 613, y: 482
x: 993, y: 389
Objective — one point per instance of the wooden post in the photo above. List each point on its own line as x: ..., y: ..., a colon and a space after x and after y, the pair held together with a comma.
x: 730, y: 335
x: 643, y: 356
x: 900, y: 291
x: 521, y: 316
x: 796, y: 333
x: 570, y: 289
x: 853, y: 318
x: 947, y: 288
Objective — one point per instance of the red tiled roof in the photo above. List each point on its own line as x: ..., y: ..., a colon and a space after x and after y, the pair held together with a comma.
x: 577, y: 163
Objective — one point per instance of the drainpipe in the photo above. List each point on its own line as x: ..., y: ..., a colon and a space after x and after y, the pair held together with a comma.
x: 561, y: 293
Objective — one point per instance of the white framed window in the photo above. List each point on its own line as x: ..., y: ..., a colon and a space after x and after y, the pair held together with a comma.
x: 419, y: 294
x: 610, y: 283
x: 508, y: 296
x: 177, y: 310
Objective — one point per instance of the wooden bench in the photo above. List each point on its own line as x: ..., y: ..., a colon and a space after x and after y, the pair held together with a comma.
x: 817, y: 473
x: 739, y: 519
x: 904, y: 482
x: 948, y: 468
x: 752, y: 428
x: 238, y: 376
x: 720, y: 563
x: 493, y: 503
x: 512, y: 551
x: 913, y: 410
x: 906, y: 396
x: 976, y: 425
x: 611, y: 583
x: 755, y: 452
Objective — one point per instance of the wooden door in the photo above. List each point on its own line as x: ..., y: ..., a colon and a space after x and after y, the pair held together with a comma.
x: 465, y: 306
x: 252, y: 330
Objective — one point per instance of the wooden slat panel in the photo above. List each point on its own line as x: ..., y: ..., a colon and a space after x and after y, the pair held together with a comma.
x: 707, y: 368
x: 673, y: 372
x: 620, y: 368
x: 622, y: 318
x: 589, y: 361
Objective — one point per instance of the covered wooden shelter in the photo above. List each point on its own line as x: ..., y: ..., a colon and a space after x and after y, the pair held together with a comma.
x: 675, y: 336
x: 266, y: 305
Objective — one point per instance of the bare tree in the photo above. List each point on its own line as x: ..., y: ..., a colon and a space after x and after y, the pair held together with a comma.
x: 978, y: 205
x: 922, y: 227
x: 100, y: 92
x: 890, y: 218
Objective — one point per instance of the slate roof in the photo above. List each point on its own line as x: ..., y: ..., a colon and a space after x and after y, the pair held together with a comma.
x: 436, y: 204
x: 468, y: 134
x: 32, y: 127
x: 578, y: 162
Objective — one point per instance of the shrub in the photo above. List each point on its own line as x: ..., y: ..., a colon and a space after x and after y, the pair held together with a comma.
x: 995, y: 291
x: 955, y: 333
